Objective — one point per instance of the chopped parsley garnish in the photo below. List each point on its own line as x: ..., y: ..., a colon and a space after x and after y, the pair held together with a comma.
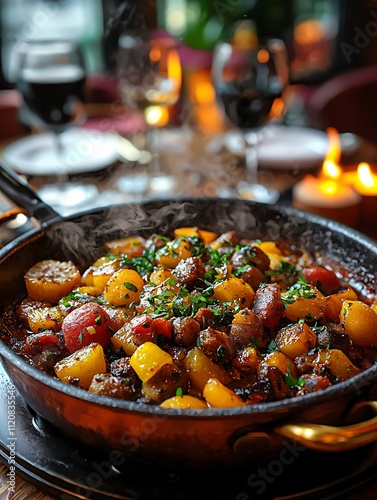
x: 131, y: 286
x: 179, y: 392
x: 300, y: 290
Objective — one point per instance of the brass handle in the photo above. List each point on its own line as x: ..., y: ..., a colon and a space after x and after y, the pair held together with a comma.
x: 328, y: 438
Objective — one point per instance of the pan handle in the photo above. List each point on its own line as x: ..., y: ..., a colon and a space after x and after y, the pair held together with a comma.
x: 23, y: 195
x: 329, y: 438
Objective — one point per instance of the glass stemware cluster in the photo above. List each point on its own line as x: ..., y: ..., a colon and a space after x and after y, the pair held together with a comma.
x: 247, y: 80
x: 51, y: 79
x: 150, y: 76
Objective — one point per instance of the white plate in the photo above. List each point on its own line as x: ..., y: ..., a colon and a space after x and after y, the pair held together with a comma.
x: 289, y: 147
x: 84, y: 151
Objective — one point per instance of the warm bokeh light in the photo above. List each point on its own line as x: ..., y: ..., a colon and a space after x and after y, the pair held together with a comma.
x: 308, y: 32
x: 175, y: 69
x: 155, y: 54
x: 205, y: 93
x: 157, y: 116
x: 263, y: 56
x: 277, y: 108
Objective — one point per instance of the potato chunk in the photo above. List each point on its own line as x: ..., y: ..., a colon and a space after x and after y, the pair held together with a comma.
x: 123, y: 287
x: 44, y: 318
x: 148, y: 359
x: 234, y: 290
x: 51, y: 280
x: 201, y: 369
x: 360, y: 322
x: 295, y: 340
x: 82, y: 365
x: 218, y: 395
x: 185, y: 402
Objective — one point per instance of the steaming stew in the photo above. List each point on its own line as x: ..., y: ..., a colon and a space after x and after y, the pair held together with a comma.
x: 197, y: 320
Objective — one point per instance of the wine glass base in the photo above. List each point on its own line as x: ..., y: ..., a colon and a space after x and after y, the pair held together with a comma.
x: 68, y: 197
x: 258, y: 192
x: 162, y: 185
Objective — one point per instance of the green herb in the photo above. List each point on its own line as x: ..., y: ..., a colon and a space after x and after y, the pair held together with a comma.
x: 98, y: 320
x: 131, y: 286
x: 221, y: 353
x: 300, y: 290
x: 179, y: 392
x: 79, y: 338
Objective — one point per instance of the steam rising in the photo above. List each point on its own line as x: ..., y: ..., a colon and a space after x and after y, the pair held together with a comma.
x: 82, y: 237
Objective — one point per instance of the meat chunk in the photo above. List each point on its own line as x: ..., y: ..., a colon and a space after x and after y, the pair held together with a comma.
x: 185, y: 331
x: 252, y: 275
x: 216, y: 345
x: 251, y: 255
x: 121, y: 368
x: 164, y: 384
x: 247, y: 329
x: 269, y: 305
x: 110, y: 385
x: 205, y: 318
x: 188, y: 271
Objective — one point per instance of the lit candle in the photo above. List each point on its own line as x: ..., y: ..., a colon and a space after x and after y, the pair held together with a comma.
x: 332, y: 199
x: 364, y: 181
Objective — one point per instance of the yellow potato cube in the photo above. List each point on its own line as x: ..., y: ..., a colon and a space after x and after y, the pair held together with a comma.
x: 148, y: 359
x: 131, y: 246
x: 123, y: 338
x: 295, y: 340
x: 281, y: 361
x: 82, y: 365
x: 44, y: 318
x: 123, y: 287
x: 268, y: 247
x: 337, y: 362
x: 173, y: 252
x: 218, y: 395
x: 312, y: 306
x: 159, y: 276
x: 334, y: 303
x: 360, y: 322
x: 200, y: 369
x: 185, y: 402
x: 234, y: 290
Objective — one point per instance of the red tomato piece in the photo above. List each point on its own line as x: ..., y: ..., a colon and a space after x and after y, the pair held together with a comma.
x: 86, y: 324
x: 325, y: 280
x: 142, y: 328
x: 163, y: 327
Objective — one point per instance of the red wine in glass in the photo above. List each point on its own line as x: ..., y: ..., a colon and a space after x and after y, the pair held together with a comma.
x: 55, y: 94
x: 247, y: 81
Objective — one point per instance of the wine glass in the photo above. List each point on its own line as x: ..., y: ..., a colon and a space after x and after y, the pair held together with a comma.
x: 51, y: 79
x: 247, y: 80
x: 150, y: 78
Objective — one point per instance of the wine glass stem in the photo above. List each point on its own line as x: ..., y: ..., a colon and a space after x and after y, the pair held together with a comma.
x: 60, y: 174
x: 152, y: 147
x: 251, y: 156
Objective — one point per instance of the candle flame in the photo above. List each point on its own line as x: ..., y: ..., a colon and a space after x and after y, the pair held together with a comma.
x: 330, y: 167
x: 328, y: 187
x: 366, y: 176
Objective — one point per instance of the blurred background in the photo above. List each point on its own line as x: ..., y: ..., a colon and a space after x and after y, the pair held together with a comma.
x: 324, y: 39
